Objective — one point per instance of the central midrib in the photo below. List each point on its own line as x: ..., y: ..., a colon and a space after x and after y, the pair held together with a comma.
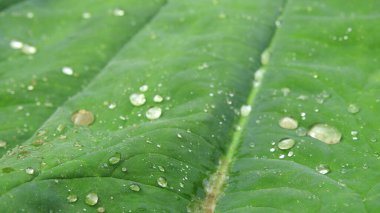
x: 218, y: 179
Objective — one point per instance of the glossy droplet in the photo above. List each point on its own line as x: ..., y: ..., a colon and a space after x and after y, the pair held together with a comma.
x: 29, y: 171
x: 91, y: 199
x: 161, y: 181
x: 352, y: 108
x: 83, y: 118
x: 153, y: 113
x: 137, y: 99
x: 134, y: 187
x: 325, y: 133
x: 288, y: 123
x: 124, y: 169
x: 286, y: 144
x: 245, y: 110
x: 3, y: 144
x: 72, y: 198
x: 144, y: 88
x: 322, y: 169
x: 29, y: 50
x: 301, y: 131
x: 86, y: 15
x: 16, y: 44
x: 67, y: 71
x: 161, y: 168
x: 118, y: 12
x: 101, y: 209
x: 112, y: 106
x: 158, y: 98
x: 115, y: 159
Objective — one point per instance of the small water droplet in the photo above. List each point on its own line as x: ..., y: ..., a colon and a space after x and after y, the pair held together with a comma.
x: 67, y: 71
x: 288, y: 123
x: 265, y: 57
x: 29, y: 50
x: 153, y: 113
x: 325, y: 133
x: 286, y: 144
x: 101, y: 209
x: 353, y: 109
x: 91, y: 199
x: 245, y: 110
x: 3, y: 144
x: 16, y: 44
x: 29, y: 171
x: 83, y: 118
x: 144, y: 88
x: 158, y: 98
x: 322, y: 169
x: 301, y: 131
x: 161, y: 168
x: 115, y: 159
x: 272, y: 149
x: 112, y: 106
x: 86, y: 15
x: 282, y: 156
x: 137, y: 99
x: 124, y: 169
x: 72, y: 198
x: 161, y: 181
x: 134, y: 187
x: 118, y: 12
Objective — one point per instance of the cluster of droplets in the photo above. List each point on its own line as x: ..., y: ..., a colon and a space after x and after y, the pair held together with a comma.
x: 139, y: 99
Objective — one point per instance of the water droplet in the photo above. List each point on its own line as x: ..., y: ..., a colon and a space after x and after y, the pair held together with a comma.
x: 83, y: 118
x: 16, y: 44
x: 245, y: 110
x: 101, y: 209
x: 144, y: 88
x: 288, y: 123
x: 158, y: 98
x: 161, y: 181
x: 30, y: 15
x: 259, y: 75
x: 29, y: 171
x: 265, y: 57
x: 124, y: 169
x: 137, y: 99
x: 91, y: 199
x: 301, y: 131
x: 322, y: 169
x: 134, y: 187
x: 115, y: 159
x: 86, y: 15
x: 3, y: 144
x: 153, y: 113
x: 272, y: 149
x: 30, y: 87
x: 111, y: 106
x: 282, y: 156
x: 72, y: 198
x: 29, y: 50
x: 286, y: 144
x: 161, y: 168
x: 118, y: 12
x: 67, y: 71
x: 325, y: 133
x: 353, y: 108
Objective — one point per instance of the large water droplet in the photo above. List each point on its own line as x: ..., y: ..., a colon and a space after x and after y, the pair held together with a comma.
x: 245, y: 110
x: 286, y: 144
x: 72, y: 198
x: 91, y: 199
x: 134, y: 187
x: 288, y: 123
x: 325, y: 133
x: 153, y: 113
x: 29, y: 171
x: 137, y: 99
x: 115, y: 159
x: 161, y: 181
x: 83, y: 118
x: 322, y: 169
x: 353, y: 108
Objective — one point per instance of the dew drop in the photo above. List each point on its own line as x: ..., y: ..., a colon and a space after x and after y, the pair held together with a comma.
x: 325, y: 133
x: 29, y: 171
x: 286, y: 144
x: 115, y: 159
x: 3, y: 144
x: 144, y: 88
x: 153, y: 113
x: 112, y: 106
x: 91, y: 199
x: 245, y: 110
x: 16, y: 44
x: 118, y: 12
x: 161, y: 168
x: 83, y: 118
x: 86, y: 15
x: 161, y: 181
x: 101, y: 209
x: 301, y: 131
x: 322, y: 169
x: 29, y: 50
x: 67, y: 71
x: 288, y: 123
x: 137, y: 99
x: 124, y: 169
x: 72, y: 198
x: 158, y: 98
x: 134, y: 187
x: 353, y: 109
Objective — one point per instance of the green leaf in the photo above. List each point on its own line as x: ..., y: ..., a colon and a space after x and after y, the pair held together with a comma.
x: 72, y: 140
